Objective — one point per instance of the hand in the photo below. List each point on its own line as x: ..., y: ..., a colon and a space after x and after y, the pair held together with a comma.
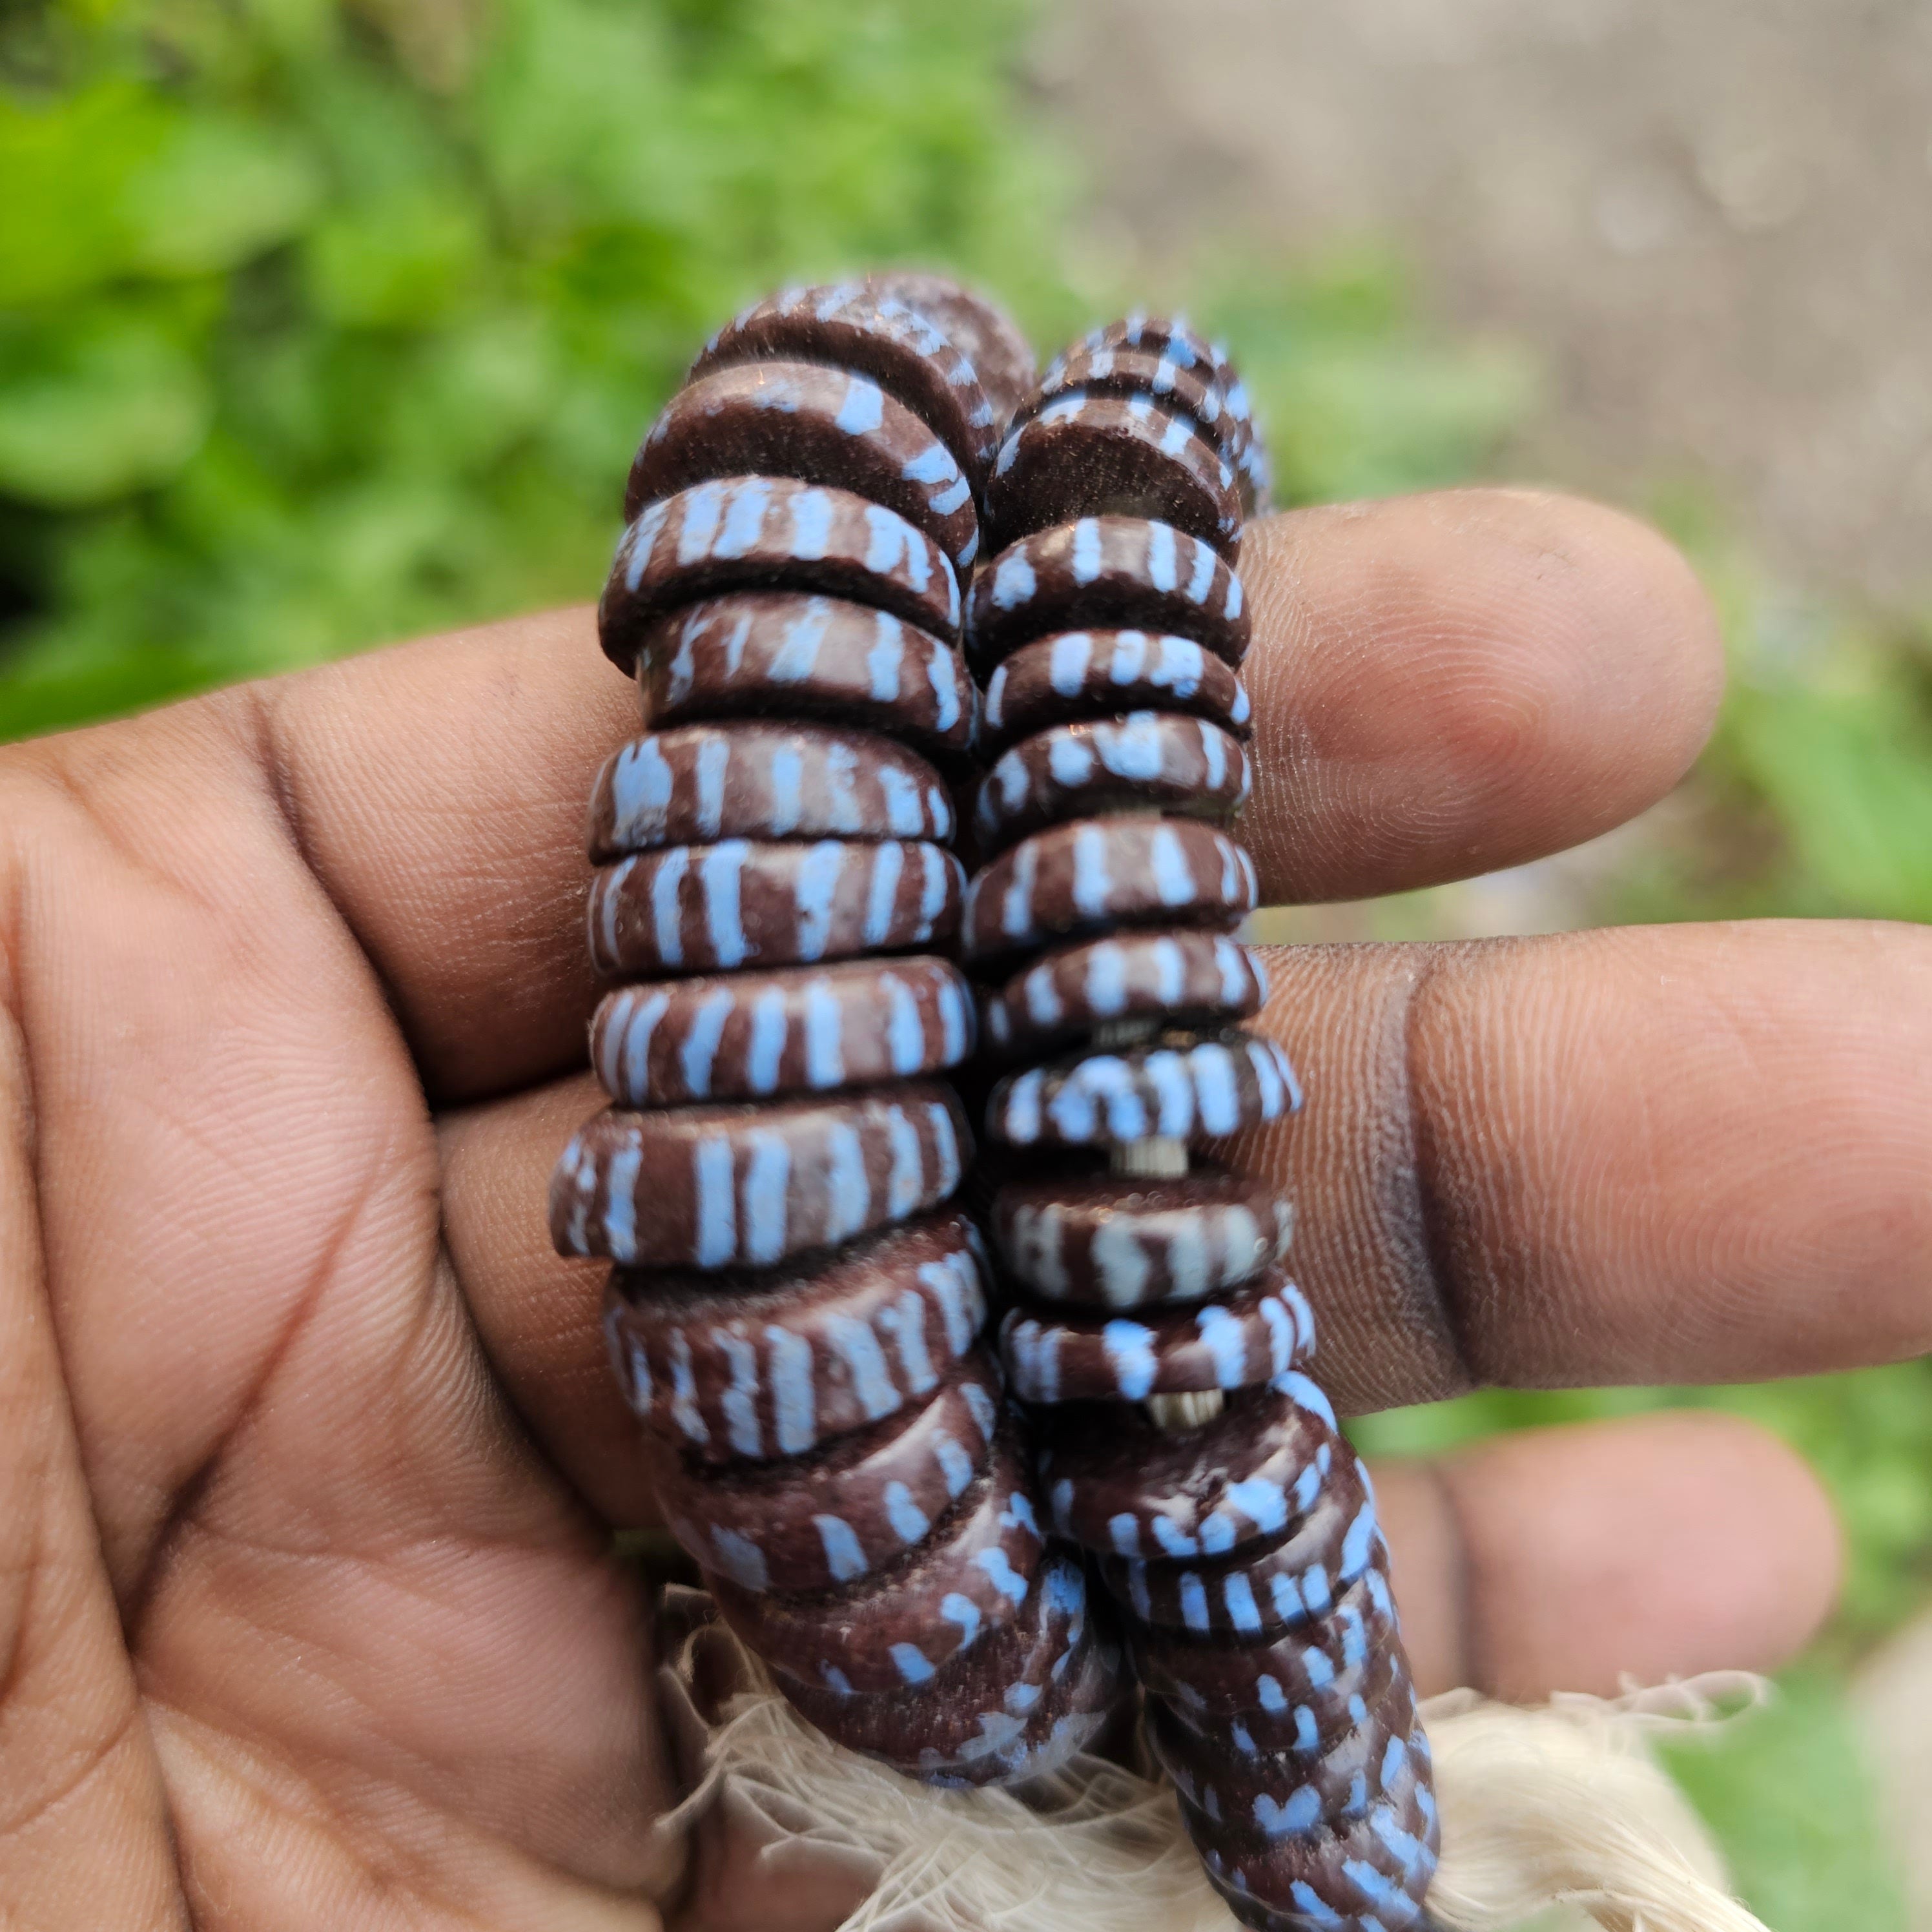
x: 308, y: 1453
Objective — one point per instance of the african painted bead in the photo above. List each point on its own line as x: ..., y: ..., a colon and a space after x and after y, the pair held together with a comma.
x: 1092, y: 455
x: 719, y: 1187
x: 849, y: 326
x: 746, y: 1036
x: 1178, y: 1087
x: 1183, y: 765
x: 1128, y: 976
x: 754, y: 532
x: 749, y: 1368
x: 1226, y: 1487
x: 1377, y: 1869
x: 1262, y: 1593
x: 1224, y: 1344
x: 1079, y: 674
x: 1170, y: 339
x: 707, y: 908
x: 1041, y: 1688
x: 1112, y: 572
x: 1105, y: 872
x: 819, y: 425
x: 1219, y: 1770
x: 1120, y: 1241
x: 696, y: 783
x: 1193, y: 391
x: 817, y: 1522
x: 896, y: 1627
x: 1248, y: 1814
x: 1321, y: 1667
x: 757, y: 652
x: 982, y: 331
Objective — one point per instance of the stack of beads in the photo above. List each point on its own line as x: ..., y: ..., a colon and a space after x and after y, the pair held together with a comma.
x: 1154, y: 1333
x: 794, y: 1312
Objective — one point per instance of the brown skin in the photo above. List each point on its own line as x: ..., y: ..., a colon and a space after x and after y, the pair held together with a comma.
x: 307, y: 1452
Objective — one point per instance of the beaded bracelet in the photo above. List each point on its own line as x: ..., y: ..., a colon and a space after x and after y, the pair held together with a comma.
x: 1153, y: 1334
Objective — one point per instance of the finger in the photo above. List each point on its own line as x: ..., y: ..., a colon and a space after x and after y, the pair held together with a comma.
x: 1445, y: 684
x: 539, y: 1314
x: 1565, y: 1559
x: 1670, y: 1154
x: 85, y: 1832
x: 439, y: 793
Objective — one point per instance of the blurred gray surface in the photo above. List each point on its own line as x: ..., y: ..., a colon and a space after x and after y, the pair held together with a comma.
x: 1710, y: 217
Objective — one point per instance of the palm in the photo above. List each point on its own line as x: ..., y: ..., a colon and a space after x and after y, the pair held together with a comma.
x: 388, y: 1674
x: 305, y: 1615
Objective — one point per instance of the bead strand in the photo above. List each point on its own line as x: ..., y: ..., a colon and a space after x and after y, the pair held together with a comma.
x: 794, y: 1312
x: 1154, y: 1333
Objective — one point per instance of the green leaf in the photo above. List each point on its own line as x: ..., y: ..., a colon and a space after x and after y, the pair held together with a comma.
x: 405, y: 260
x: 107, y: 404
x: 65, y: 165
x: 218, y: 191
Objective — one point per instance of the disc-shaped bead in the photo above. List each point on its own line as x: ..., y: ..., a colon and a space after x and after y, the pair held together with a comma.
x: 1263, y: 1593
x: 978, y: 327
x: 1130, y: 976
x: 720, y: 1187
x: 1178, y: 1086
x: 1265, y: 1804
x: 743, y: 1036
x: 696, y: 783
x: 850, y: 326
x: 757, y: 652
x: 1329, y: 1661
x: 819, y: 425
x: 1219, y: 1772
x: 1147, y: 758
x: 893, y: 1628
x: 1232, y: 1344
x: 1077, y: 674
x: 1039, y: 1689
x: 1373, y: 1872
x: 710, y: 908
x: 1088, y: 454
x: 769, y: 533
x: 1171, y: 338
x: 1119, y: 1241
x: 1073, y: 880
x: 730, y: 1367
x: 1269, y: 1719
x: 1111, y: 572
x: 1193, y: 390
x: 1117, y: 1483
x: 817, y: 1522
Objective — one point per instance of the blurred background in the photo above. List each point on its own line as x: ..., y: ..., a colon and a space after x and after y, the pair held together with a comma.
x: 324, y: 322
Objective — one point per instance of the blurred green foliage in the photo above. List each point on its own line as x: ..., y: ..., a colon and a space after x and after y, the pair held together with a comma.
x: 1790, y: 1797
x: 1815, y: 798
x: 327, y: 321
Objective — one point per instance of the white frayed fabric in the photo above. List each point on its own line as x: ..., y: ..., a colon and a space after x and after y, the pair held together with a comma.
x: 1559, y: 1807
x: 1564, y: 1806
